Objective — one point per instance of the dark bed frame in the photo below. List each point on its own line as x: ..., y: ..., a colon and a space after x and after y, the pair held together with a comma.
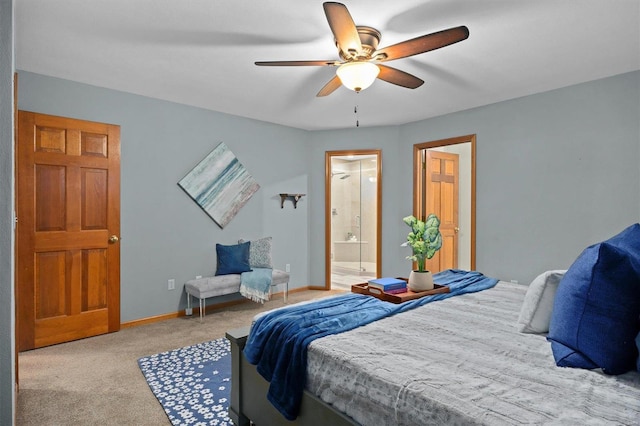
x: 249, y: 404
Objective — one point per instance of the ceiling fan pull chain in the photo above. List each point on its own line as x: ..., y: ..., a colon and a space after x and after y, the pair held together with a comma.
x: 355, y: 111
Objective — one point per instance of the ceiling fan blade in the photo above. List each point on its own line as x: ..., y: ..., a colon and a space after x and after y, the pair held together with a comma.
x: 330, y: 87
x: 422, y: 44
x: 297, y: 63
x: 400, y: 78
x: 343, y: 28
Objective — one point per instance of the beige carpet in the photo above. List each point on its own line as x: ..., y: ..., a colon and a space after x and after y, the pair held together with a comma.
x: 96, y: 381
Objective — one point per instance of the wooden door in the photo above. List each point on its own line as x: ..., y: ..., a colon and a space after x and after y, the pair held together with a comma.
x: 68, y: 209
x: 441, y: 184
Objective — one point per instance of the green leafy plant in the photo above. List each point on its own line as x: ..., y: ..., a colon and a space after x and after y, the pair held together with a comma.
x: 424, y: 239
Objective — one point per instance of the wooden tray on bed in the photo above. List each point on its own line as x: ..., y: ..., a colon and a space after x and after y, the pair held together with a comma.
x: 363, y: 288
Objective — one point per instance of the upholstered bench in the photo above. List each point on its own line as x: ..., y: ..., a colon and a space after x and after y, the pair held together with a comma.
x: 203, y: 288
x: 232, y: 261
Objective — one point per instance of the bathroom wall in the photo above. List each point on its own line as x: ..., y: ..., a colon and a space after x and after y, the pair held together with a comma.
x: 353, y: 198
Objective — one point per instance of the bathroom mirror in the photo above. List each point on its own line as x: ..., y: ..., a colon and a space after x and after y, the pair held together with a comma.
x: 353, y: 192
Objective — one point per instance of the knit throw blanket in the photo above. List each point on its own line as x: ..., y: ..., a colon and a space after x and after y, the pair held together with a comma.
x: 256, y: 284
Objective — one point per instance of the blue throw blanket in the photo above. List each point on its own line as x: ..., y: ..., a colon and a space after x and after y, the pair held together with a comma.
x: 278, y: 341
x: 256, y: 284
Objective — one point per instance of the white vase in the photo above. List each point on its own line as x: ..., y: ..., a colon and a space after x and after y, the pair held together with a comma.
x: 420, y: 281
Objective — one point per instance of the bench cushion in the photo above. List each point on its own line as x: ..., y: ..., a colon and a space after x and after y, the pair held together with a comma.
x: 279, y: 277
x: 206, y: 287
x: 219, y: 285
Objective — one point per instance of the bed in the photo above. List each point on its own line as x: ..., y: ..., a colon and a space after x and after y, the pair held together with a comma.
x: 480, y: 358
x: 460, y: 361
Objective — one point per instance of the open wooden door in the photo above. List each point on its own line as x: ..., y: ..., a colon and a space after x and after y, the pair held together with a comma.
x: 441, y: 177
x: 445, y: 185
x: 68, y: 208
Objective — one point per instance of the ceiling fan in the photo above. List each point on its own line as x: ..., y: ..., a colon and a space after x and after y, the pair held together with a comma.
x: 360, y: 62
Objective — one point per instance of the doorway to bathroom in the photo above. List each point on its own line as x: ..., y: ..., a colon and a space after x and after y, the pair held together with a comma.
x: 352, y: 217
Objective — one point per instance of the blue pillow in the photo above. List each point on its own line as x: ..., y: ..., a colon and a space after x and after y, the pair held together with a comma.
x: 597, y: 307
x: 233, y: 259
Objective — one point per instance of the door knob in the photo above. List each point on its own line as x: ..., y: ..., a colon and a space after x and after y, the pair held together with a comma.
x: 113, y: 239
x: 456, y: 229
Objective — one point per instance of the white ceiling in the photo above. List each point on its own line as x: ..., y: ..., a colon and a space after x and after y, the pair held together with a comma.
x: 202, y: 52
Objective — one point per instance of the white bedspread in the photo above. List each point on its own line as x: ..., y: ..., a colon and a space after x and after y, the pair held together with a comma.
x: 460, y: 362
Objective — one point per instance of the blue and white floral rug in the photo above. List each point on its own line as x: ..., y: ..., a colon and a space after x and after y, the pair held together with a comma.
x: 193, y: 384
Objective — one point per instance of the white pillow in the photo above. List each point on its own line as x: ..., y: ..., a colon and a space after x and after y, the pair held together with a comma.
x: 535, y: 313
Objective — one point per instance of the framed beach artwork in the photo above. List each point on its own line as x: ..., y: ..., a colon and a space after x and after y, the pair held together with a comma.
x: 220, y: 185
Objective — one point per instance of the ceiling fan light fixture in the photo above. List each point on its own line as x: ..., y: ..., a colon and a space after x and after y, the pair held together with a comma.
x: 357, y: 76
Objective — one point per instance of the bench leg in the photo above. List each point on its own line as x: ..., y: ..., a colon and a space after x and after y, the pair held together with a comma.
x: 189, y: 309
x: 286, y: 292
x: 201, y: 309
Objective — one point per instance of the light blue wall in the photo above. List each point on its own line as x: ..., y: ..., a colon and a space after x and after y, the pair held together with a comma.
x: 385, y: 139
x: 7, y: 313
x: 556, y: 171
x: 164, y: 234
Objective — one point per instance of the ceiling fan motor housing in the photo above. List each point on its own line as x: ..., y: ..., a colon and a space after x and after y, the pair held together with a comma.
x: 369, y: 38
